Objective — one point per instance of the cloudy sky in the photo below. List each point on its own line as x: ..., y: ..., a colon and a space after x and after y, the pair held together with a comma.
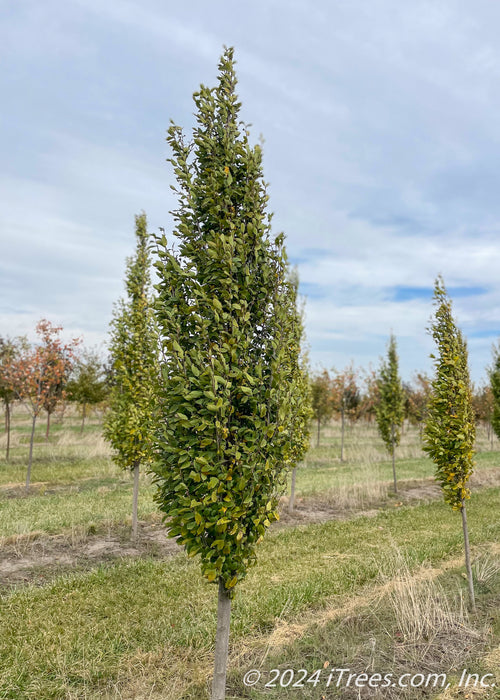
x: 382, y: 150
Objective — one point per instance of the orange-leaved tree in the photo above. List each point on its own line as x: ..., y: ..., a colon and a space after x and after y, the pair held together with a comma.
x: 37, y: 375
x: 346, y: 398
x: 9, y: 349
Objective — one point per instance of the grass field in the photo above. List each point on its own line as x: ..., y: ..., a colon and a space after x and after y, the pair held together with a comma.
x: 357, y: 578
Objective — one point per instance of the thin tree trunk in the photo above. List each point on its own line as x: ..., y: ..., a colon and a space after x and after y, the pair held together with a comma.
x: 135, y: 499
x: 317, y: 443
x: 467, y: 558
x: 84, y: 409
x: 342, y: 413
x: 47, y: 430
x: 291, y: 502
x: 394, y: 460
x: 7, y: 428
x: 30, y: 459
x: 221, y: 643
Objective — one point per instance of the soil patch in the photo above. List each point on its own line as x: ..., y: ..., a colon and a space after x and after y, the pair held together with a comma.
x: 38, y: 558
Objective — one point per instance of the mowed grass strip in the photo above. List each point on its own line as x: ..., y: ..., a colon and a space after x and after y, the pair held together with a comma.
x: 73, y: 637
x: 93, y: 506
x: 318, y: 477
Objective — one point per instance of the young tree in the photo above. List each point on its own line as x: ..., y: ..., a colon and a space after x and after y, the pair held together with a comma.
x: 390, y: 409
x: 9, y: 349
x: 129, y: 424
x: 35, y: 373
x: 483, y: 405
x: 370, y: 395
x: 321, y: 399
x: 417, y: 398
x: 87, y: 385
x: 450, y: 429
x: 346, y: 398
x: 229, y: 329
x: 494, y: 375
x: 300, y: 395
x: 55, y: 392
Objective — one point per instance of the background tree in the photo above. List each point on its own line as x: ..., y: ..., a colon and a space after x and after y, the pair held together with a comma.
x: 87, y: 385
x: 9, y: 349
x: 36, y: 371
x: 300, y: 394
x: 417, y: 399
x: 390, y: 408
x: 346, y: 399
x: 483, y: 404
x: 229, y: 332
x: 130, y: 422
x: 494, y: 375
x: 369, y: 395
x: 55, y: 391
x: 321, y: 399
x: 450, y: 428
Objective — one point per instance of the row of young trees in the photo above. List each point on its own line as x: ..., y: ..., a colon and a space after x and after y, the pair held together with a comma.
x: 46, y: 374
x: 353, y: 395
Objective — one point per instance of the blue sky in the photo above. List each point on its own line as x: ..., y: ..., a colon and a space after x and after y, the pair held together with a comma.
x: 382, y: 150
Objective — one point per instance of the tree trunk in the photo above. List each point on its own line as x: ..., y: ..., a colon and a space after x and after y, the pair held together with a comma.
x: 394, y: 460
x: 30, y: 459
x: 47, y: 430
x: 291, y: 502
x: 135, y: 499
x: 467, y: 558
x: 7, y: 429
x: 342, y: 413
x: 84, y: 409
x: 317, y: 442
x: 221, y: 643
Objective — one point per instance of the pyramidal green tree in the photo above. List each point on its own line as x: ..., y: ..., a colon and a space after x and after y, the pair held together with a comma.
x: 229, y: 331
x: 129, y: 423
x: 494, y: 375
x: 450, y: 428
x: 389, y: 410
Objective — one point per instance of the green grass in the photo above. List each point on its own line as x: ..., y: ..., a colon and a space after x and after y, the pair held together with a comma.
x: 417, y: 626
x: 93, y: 505
x: 75, y: 482
x: 78, y: 634
x: 320, y: 476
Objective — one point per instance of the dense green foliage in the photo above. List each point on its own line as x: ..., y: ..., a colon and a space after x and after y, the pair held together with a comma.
x: 129, y: 424
x: 450, y: 429
x: 495, y: 389
x: 230, y: 333
x: 389, y: 410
